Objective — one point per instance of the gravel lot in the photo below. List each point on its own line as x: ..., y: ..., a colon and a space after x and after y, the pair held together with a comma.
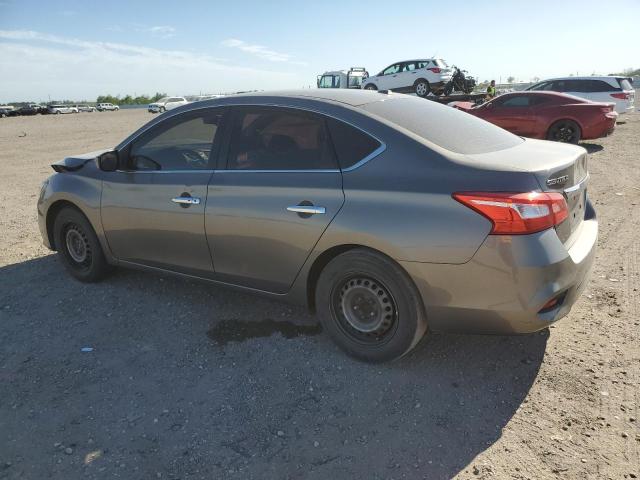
x: 187, y: 380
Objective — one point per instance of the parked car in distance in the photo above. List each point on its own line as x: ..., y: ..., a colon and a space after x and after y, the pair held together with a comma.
x: 616, y: 90
x: 6, y: 112
x: 547, y: 115
x: 29, y: 109
x: 370, y: 208
x: 352, y: 78
x: 412, y: 76
x: 166, y: 103
x: 59, y: 108
x: 104, y: 107
x: 85, y: 108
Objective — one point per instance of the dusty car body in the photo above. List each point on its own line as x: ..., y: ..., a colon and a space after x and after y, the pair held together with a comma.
x: 367, y: 207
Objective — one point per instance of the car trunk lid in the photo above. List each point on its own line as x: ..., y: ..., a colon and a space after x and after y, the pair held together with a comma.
x: 557, y: 167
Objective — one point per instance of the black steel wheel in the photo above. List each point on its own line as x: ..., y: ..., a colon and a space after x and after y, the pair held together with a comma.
x: 369, y: 306
x: 566, y: 131
x: 364, y: 309
x: 78, y: 246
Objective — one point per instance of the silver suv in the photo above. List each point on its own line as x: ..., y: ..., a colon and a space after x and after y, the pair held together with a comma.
x: 101, y: 107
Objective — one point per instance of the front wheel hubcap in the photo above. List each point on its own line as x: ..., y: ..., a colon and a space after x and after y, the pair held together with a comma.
x: 77, y: 245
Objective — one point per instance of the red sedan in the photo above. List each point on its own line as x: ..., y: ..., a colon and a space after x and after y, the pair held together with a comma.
x: 547, y: 115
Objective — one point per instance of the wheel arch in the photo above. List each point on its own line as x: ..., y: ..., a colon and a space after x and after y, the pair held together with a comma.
x: 322, y: 260
x: 564, y: 119
x: 52, y: 213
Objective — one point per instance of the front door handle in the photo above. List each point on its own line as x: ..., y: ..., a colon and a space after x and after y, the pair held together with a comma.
x: 307, y: 209
x: 186, y: 200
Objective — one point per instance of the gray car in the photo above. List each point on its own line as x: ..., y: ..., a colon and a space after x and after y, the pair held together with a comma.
x: 388, y: 215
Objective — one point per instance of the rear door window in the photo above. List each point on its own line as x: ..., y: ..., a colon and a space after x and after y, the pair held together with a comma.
x: 351, y: 144
x: 271, y: 138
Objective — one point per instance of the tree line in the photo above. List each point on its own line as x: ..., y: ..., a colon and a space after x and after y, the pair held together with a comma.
x: 130, y: 100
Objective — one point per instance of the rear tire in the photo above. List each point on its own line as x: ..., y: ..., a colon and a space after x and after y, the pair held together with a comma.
x: 421, y: 87
x: 566, y: 131
x: 78, y: 246
x: 369, y: 306
x: 370, y: 86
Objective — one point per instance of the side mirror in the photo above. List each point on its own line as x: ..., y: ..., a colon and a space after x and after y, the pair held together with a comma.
x: 108, y: 161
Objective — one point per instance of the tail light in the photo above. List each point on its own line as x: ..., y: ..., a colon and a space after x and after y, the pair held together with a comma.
x: 517, y: 213
x: 621, y: 96
x: 434, y: 69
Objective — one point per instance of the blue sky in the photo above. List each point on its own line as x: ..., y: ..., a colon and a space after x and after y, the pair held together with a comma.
x: 80, y: 49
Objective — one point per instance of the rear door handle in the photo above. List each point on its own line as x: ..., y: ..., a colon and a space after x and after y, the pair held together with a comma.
x: 186, y: 200
x: 308, y: 209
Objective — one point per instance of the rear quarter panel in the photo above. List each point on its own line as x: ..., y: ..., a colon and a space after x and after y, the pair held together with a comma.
x: 400, y: 203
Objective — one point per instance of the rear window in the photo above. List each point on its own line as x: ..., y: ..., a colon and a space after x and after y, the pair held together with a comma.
x: 447, y: 127
x: 625, y: 84
x: 600, y: 86
x: 351, y: 144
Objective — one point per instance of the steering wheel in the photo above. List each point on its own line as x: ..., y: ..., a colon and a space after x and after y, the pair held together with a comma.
x: 195, y: 158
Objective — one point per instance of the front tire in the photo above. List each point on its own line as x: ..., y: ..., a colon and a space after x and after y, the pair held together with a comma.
x: 78, y: 246
x: 370, y: 86
x: 421, y: 87
x: 162, y: 109
x: 369, y: 306
x: 566, y: 131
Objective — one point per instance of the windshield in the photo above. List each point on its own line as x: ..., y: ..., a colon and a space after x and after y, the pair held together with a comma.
x: 163, y: 100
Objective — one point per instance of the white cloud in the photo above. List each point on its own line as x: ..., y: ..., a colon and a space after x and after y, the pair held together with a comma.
x: 164, y: 31
x: 43, y: 64
x: 260, y: 51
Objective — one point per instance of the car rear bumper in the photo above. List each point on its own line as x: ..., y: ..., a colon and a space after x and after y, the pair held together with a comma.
x: 600, y: 129
x: 504, y: 287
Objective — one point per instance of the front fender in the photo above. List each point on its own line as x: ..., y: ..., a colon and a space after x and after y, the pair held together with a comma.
x: 79, y: 191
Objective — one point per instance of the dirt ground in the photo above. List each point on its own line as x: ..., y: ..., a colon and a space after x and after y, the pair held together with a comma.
x: 188, y: 380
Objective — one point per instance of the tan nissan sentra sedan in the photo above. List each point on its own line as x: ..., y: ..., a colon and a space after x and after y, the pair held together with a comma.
x: 389, y: 215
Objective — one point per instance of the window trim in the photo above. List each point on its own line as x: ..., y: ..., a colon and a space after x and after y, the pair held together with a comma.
x: 224, y: 152
x: 214, y: 156
x: 233, y: 117
x: 226, y: 132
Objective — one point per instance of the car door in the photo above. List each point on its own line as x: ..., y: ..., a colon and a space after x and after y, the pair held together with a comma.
x: 388, y: 78
x: 153, y: 207
x: 513, y: 113
x: 278, y: 193
x: 407, y: 76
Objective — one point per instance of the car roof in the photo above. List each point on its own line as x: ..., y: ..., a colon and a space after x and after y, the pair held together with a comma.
x: 537, y: 93
x: 352, y: 97
x: 603, y: 77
